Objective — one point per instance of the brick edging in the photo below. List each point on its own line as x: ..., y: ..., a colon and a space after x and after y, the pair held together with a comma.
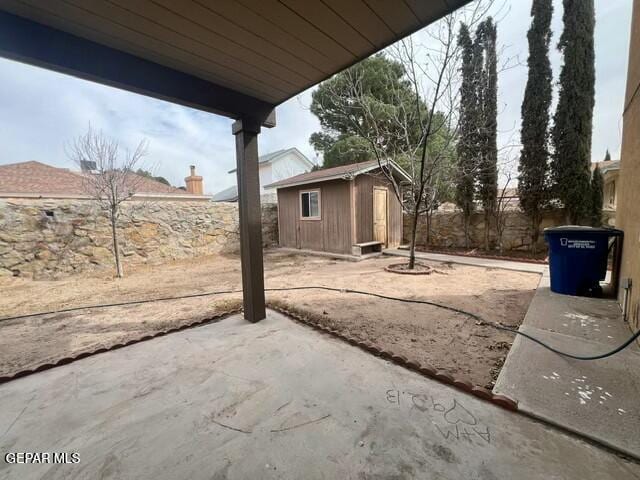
x: 425, y: 370
x: 66, y: 360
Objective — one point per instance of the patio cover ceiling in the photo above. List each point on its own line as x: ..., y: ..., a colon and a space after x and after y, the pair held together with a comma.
x: 238, y: 58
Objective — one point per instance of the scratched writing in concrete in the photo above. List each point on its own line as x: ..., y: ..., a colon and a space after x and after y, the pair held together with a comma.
x: 452, y: 419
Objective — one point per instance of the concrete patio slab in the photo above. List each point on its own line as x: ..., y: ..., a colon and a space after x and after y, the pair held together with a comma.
x: 598, y: 399
x: 475, y: 261
x: 594, y: 319
x: 273, y: 400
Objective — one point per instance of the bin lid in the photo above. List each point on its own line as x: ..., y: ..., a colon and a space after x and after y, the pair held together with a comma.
x: 582, y: 228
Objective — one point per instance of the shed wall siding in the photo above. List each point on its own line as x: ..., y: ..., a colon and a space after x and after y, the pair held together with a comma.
x: 332, y: 233
x: 336, y: 216
x: 311, y: 237
x: 288, y: 212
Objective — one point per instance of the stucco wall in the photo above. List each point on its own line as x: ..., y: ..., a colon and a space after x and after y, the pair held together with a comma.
x: 447, y: 229
x: 628, y: 208
x: 288, y: 165
x: 53, y: 238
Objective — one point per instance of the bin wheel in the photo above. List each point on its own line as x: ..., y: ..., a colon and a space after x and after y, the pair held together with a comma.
x: 594, y: 291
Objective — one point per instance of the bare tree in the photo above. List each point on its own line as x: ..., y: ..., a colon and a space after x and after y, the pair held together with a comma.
x: 422, y: 130
x: 109, y: 176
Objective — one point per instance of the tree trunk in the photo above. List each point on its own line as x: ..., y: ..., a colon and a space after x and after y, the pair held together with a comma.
x: 500, y: 228
x: 466, y: 221
x: 116, y: 248
x: 487, y: 232
x: 429, y: 213
x: 535, y: 234
x: 412, y: 244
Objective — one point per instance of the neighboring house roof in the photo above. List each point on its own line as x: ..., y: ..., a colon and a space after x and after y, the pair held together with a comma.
x: 606, y: 166
x: 341, y: 172
x: 270, y: 157
x: 227, y: 195
x: 36, y: 179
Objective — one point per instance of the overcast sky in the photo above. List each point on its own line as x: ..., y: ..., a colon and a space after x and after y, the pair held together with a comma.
x: 41, y: 111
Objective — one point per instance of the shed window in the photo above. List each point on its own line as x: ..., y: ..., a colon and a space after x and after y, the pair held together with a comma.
x: 310, y: 204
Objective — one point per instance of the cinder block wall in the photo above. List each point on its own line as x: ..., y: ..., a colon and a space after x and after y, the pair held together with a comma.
x: 628, y: 207
x: 55, y: 238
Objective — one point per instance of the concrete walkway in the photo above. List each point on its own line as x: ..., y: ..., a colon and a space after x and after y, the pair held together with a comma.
x: 598, y: 399
x: 234, y: 400
x: 475, y: 261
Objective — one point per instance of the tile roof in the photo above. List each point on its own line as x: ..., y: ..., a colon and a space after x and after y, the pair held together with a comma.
x: 36, y: 178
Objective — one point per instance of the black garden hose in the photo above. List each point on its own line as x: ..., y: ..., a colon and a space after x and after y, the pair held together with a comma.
x: 482, y: 321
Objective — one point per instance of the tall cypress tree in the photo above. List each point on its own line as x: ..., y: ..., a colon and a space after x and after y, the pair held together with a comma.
x: 534, y: 158
x: 488, y: 87
x: 464, y: 179
x: 571, y: 133
x: 607, y: 156
x: 597, y: 191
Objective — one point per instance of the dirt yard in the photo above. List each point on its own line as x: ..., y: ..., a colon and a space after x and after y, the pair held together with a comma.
x: 422, y: 333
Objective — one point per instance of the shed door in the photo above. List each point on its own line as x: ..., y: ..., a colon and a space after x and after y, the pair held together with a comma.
x: 380, y: 215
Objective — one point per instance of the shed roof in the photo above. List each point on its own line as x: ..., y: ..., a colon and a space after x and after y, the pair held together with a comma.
x: 233, y: 57
x: 340, y: 172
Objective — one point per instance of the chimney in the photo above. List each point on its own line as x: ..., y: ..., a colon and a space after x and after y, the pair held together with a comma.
x: 194, y: 182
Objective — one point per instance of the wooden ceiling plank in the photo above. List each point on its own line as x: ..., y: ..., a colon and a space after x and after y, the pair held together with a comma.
x: 48, y: 18
x: 396, y: 14
x: 326, y: 20
x: 128, y: 40
x: 206, y: 26
x: 247, y: 37
x: 428, y: 11
x: 114, y: 14
x: 144, y: 32
x: 278, y: 14
x: 262, y: 45
x: 248, y: 21
x: 362, y: 18
x: 26, y: 40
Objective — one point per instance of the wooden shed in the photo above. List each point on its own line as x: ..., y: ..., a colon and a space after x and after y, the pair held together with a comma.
x: 349, y: 209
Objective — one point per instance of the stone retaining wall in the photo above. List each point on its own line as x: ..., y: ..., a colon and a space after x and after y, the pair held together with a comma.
x: 447, y: 229
x: 54, y: 238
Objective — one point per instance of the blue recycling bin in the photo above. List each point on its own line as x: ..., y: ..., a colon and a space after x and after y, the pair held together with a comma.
x: 578, y: 258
